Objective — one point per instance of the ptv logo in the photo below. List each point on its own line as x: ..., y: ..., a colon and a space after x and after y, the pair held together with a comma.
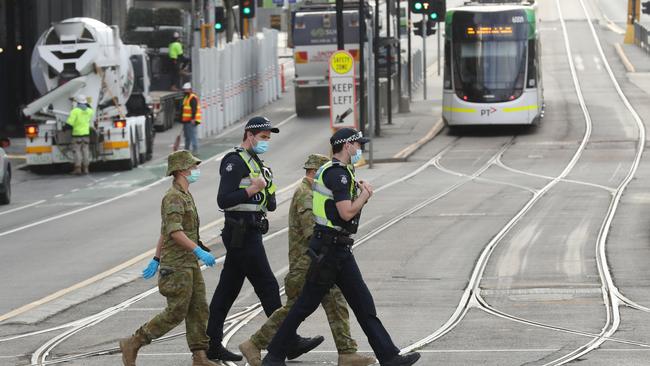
x: 487, y: 112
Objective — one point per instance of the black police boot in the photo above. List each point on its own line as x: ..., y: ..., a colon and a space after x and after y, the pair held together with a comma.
x: 303, y: 345
x: 403, y: 360
x: 269, y: 361
x: 219, y: 352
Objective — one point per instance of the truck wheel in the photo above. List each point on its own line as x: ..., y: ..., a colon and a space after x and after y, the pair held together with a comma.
x: 304, y: 102
x: 141, y: 154
x: 5, y: 195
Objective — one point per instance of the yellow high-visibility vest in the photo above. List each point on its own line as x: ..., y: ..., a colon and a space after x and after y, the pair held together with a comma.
x: 187, y: 109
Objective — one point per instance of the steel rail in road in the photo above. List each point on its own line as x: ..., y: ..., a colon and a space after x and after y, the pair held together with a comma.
x: 611, y: 295
x: 39, y: 357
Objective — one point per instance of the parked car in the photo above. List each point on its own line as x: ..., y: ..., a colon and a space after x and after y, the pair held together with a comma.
x: 5, y: 173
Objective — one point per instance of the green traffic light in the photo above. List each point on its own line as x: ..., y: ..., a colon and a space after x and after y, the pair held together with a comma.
x: 418, y: 6
x: 433, y: 16
x: 218, y: 26
x: 247, y: 11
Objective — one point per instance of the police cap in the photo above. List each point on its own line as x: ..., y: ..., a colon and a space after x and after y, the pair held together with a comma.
x: 181, y: 160
x: 314, y: 161
x: 347, y: 135
x: 259, y: 123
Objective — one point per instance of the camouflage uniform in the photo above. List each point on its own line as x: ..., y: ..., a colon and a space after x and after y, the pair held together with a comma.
x: 301, y: 226
x: 180, y: 279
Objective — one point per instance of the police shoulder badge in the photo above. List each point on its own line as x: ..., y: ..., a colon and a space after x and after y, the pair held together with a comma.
x: 344, y: 179
x: 229, y: 167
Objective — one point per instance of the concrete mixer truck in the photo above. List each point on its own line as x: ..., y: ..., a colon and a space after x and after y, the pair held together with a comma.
x: 83, y: 56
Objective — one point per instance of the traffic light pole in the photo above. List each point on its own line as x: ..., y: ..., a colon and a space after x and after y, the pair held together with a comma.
x: 424, y: 55
x: 375, y: 43
x: 410, y: 70
x: 340, y: 44
x: 438, y: 31
x: 362, y: 67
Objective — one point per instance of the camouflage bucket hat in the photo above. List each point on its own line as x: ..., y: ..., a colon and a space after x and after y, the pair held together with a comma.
x: 181, y: 160
x: 315, y: 161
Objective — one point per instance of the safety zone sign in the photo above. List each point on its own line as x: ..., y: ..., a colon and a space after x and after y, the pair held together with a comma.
x: 343, y: 95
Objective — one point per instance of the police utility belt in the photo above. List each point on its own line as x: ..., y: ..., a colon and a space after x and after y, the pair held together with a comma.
x: 334, y: 238
x: 240, y: 225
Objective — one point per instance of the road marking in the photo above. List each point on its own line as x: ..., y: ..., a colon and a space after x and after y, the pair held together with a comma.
x: 22, y: 207
x: 580, y: 65
x: 626, y: 61
x: 59, y: 195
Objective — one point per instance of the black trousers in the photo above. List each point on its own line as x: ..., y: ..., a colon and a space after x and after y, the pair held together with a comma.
x: 249, y: 262
x: 350, y: 281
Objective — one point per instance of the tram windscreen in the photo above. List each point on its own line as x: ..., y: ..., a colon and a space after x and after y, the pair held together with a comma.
x: 489, y: 55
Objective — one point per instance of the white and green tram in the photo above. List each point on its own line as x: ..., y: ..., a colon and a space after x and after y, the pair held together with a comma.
x: 492, y: 73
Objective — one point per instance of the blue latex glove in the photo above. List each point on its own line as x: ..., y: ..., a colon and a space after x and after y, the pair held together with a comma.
x: 206, y: 257
x: 151, y: 269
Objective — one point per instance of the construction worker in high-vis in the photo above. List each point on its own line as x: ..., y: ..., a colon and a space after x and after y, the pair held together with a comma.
x: 79, y: 120
x: 191, y: 118
x: 177, y: 59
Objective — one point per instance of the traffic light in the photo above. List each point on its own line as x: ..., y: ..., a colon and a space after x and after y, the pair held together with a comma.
x: 431, y: 28
x: 437, y: 10
x: 434, y: 8
x: 219, y: 19
x: 645, y: 7
x: 247, y: 8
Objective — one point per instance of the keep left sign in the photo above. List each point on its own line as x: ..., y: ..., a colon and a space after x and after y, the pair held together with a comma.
x: 343, y: 95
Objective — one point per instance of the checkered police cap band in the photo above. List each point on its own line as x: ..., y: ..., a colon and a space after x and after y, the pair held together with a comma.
x: 265, y: 124
x: 356, y: 137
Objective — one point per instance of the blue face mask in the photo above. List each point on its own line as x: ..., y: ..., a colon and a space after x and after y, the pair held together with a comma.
x: 194, y: 176
x: 83, y: 106
x: 356, y: 157
x: 261, y: 147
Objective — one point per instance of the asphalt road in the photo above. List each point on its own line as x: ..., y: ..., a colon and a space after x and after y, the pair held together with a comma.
x: 492, y: 247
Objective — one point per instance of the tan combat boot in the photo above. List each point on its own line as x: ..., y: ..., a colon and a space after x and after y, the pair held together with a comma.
x: 356, y: 359
x: 199, y: 358
x: 77, y: 170
x: 252, y: 353
x: 130, y: 347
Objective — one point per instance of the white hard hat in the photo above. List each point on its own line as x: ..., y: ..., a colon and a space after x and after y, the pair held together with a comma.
x: 81, y: 99
x: 187, y: 86
x: 177, y: 35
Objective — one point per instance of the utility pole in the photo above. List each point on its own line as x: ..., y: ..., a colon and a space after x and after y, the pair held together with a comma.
x: 398, y: 35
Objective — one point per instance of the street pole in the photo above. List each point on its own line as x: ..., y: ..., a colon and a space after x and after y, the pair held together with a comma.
x: 389, y: 68
x: 362, y: 67
x: 339, y: 25
x: 438, y: 32
x: 424, y: 55
x: 398, y: 35
x: 410, y: 71
x: 376, y: 70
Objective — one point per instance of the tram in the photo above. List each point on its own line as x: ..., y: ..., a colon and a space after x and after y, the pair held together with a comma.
x: 492, y: 72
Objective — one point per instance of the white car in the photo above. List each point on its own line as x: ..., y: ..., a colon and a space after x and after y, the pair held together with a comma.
x: 5, y: 173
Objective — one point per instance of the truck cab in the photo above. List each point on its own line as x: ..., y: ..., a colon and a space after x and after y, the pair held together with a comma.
x: 314, y: 41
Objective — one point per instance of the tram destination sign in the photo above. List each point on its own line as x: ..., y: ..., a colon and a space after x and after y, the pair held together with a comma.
x: 343, y: 110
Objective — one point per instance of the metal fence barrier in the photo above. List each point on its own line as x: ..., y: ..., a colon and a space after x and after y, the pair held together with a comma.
x: 236, y: 80
x: 641, y: 37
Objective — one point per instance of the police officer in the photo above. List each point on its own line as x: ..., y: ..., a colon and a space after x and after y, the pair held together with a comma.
x: 180, y: 279
x: 246, y: 193
x: 79, y: 120
x: 337, y: 203
x: 301, y: 225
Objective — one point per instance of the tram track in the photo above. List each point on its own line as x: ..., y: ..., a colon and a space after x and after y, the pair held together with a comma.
x: 241, y: 319
x: 612, y: 298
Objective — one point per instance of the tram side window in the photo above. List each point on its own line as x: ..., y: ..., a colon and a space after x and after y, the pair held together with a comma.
x: 532, y: 64
x: 447, y: 72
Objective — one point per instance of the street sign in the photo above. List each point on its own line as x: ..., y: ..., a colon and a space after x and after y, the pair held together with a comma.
x: 343, y: 108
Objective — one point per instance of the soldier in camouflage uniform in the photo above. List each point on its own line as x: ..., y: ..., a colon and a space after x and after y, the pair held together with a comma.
x: 180, y: 279
x: 301, y: 226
